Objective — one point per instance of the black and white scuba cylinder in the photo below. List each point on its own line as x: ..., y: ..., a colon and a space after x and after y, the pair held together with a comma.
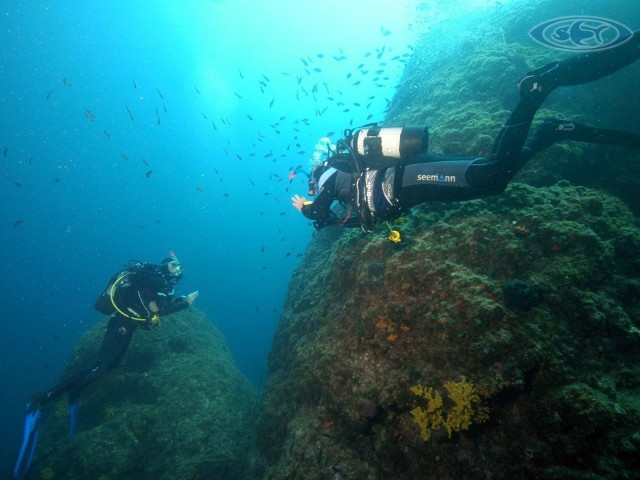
x: 382, y: 147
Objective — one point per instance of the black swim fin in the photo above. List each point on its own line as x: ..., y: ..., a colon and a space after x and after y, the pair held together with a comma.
x: 29, y: 441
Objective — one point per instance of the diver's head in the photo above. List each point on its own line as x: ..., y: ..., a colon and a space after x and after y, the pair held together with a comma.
x: 171, y: 268
x: 314, y: 179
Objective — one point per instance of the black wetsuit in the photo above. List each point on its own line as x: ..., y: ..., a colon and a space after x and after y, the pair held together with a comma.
x: 426, y: 177
x: 133, y: 298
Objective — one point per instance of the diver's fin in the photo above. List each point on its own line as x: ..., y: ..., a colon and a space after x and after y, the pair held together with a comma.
x: 73, y: 419
x: 29, y: 441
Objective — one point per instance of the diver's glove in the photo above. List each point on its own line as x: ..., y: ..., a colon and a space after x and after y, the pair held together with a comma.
x: 192, y: 297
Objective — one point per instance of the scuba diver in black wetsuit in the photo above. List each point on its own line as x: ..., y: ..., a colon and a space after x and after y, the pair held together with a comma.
x: 380, y: 172
x: 135, y: 297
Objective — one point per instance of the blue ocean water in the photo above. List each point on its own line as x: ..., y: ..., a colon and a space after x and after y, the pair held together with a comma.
x: 128, y: 129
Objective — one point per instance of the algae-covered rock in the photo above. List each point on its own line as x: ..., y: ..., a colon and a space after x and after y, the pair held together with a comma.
x: 405, y: 360
x: 176, y: 408
x: 501, y: 338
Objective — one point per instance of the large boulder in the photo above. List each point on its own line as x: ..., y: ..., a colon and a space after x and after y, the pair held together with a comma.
x: 500, y: 339
x: 177, y: 407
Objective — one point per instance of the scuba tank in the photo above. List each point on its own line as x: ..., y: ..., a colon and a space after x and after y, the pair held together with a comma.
x: 382, y: 147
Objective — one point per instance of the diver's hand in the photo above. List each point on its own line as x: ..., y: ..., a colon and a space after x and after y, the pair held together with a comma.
x: 192, y: 297
x: 298, y: 202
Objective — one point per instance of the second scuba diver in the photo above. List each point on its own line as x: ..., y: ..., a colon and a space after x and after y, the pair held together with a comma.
x: 135, y: 297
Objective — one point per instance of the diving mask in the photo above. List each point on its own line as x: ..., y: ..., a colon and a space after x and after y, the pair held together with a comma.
x: 175, y: 268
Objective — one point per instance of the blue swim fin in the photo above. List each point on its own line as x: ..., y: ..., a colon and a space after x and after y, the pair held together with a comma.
x: 73, y: 420
x: 29, y: 441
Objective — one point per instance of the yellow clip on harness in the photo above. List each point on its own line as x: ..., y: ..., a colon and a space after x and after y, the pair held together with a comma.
x: 155, y: 318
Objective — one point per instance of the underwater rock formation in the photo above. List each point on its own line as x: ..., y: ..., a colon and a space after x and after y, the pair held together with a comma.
x: 501, y: 338
x: 177, y: 408
x: 404, y: 360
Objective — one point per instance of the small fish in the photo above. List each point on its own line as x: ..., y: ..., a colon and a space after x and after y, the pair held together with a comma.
x: 237, y: 95
x: 135, y: 85
x: 213, y: 124
x: 125, y: 157
x: 265, y: 77
x: 239, y: 157
x: 198, y: 91
x: 144, y: 161
x: 106, y: 132
x: 225, y: 194
x: 149, y: 173
x: 262, y: 249
x: 49, y: 95
x: 160, y: 93
x: 129, y: 112
x: 67, y: 82
x: 199, y: 188
x: 6, y: 151
x: 240, y: 73
x: 252, y: 182
x: 271, y: 103
x: 249, y: 117
x: 17, y: 223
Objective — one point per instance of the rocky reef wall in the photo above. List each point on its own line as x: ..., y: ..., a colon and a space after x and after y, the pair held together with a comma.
x: 500, y: 339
